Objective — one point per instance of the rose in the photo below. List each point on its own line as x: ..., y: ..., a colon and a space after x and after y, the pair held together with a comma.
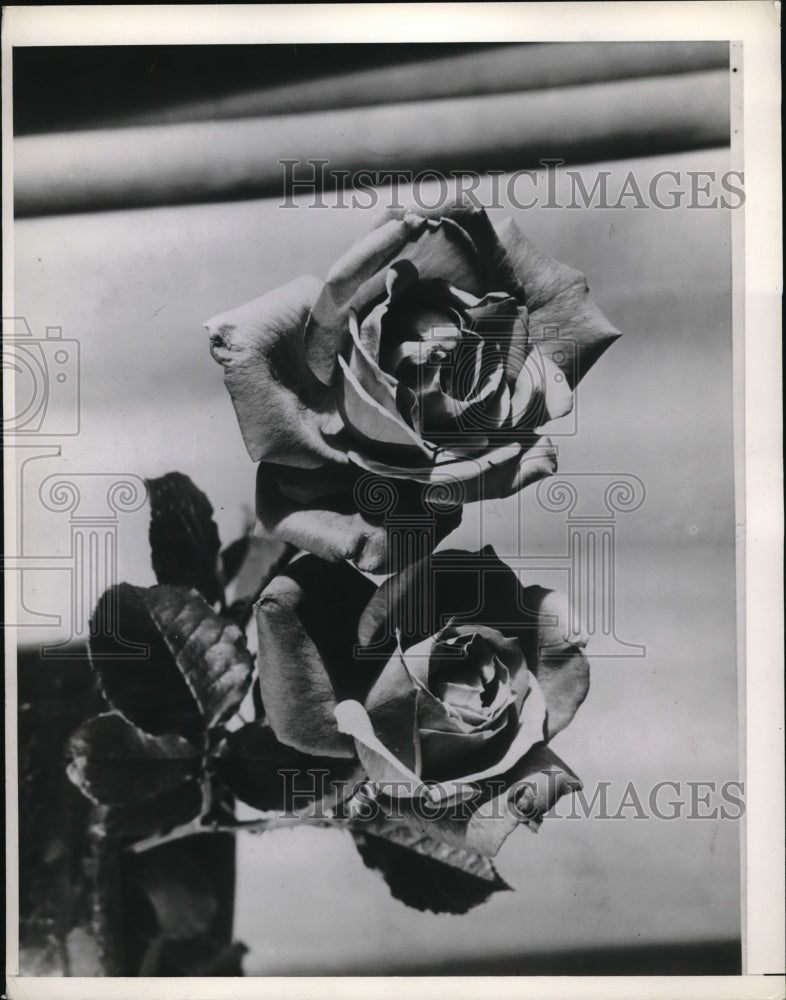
x: 429, y: 358
x: 466, y: 706
x: 460, y: 705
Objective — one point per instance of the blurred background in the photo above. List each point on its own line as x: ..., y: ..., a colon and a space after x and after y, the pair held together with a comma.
x: 148, y: 199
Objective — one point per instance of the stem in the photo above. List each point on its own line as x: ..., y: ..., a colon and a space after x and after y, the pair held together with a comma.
x: 196, y: 827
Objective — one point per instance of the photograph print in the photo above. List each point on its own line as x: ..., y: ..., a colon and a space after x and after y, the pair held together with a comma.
x: 374, y: 476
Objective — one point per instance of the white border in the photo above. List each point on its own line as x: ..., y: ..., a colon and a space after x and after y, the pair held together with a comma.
x: 431, y: 988
x: 756, y: 25
x: 754, y: 21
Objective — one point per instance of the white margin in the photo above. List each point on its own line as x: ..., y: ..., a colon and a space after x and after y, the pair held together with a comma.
x: 756, y: 23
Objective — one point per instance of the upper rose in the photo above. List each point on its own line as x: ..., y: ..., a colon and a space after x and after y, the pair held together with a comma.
x: 431, y: 355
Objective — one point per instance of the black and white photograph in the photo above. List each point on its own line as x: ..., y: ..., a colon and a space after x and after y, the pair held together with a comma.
x: 393, y: 497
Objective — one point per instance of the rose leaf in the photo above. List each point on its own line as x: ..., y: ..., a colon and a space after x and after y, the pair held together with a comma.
x: 155, y: 816
x: 270, y: 776
x: 426, y: 874
x: 197, y: 668
x: 184, y: 540
x: 114, y: 763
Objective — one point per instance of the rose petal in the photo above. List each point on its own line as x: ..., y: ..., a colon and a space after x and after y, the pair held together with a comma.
x: 497, y: 272
x: 436, y: 716
x: 370, y: 332
x: 531, y: 724
x: 530, y: 790
x: 480, y: 588
x: 459, y: 676
x: 555, y: 627
x: 335, y: 528
x: 305, y: 486
x: 417, y: 660
x: 560, y: 666
x: 374, y: 424
x: 382, y: 765
x: 437, y: 413
x: 505, y: 647
x: 328, y: 319
x: 541, y: 392
x: 564, y: 678
x: 464, y: 700
x: 468, y: 589
x: 379, y: 384
x: 443, y: 250
x: 330, y: 529
x: 502, y: 321
x: 501, y: 472
x: 392, y: 708
x: 537, y: 459
x: 450, y: 755
x: 306, y: 622
x: 283, y: 412
x: 415, y: 358
x: 518, y: 346
x: 361, y: 724
x: 557, y: 297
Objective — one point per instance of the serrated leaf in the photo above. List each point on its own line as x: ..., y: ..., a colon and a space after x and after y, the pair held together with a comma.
x: 425, y: 874
x: 210, y: 652
x: 184, y: 542
x: 154, y: 816
x: 198, y: 668
x: 113, y: 762
x: 456, y: 857
x: 151, y: 691
x: 267, y: 775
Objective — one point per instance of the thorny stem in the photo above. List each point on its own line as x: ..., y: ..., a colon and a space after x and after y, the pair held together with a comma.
x: 260, y: 825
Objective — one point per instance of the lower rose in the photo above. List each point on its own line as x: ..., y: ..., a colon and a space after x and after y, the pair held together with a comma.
x: 469, y: 698
x: 453, y: 709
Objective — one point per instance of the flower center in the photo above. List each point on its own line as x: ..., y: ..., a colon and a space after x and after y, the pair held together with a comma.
x: 466, y: 675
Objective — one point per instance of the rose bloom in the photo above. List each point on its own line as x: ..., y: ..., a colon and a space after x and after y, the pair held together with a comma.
x: 468, y: 706
x: 461, y: 704
x: 429, y: 358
